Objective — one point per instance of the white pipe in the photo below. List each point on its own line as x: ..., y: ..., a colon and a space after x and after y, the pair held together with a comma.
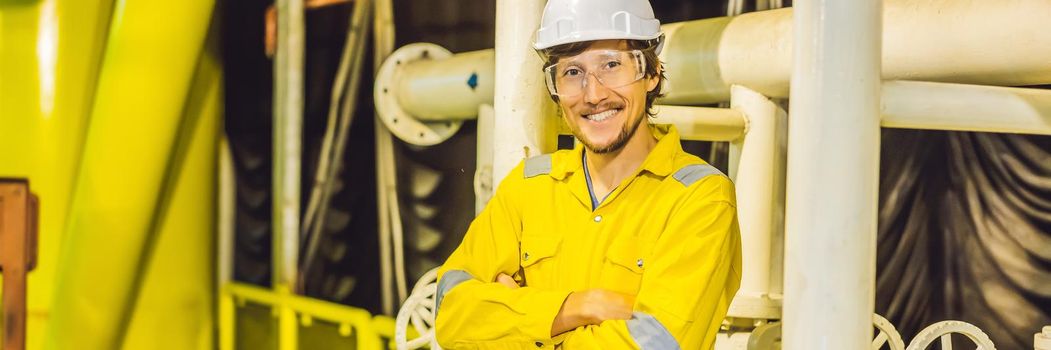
x: 941, y: 106
x: 483, y: 175
x: 446, y: 89
x: 833, y: 171
x: 702, y: 123
x: 384, y: 155
x: 525, y: 124
x: 288, y: 130
x: 695, y: 123
x: 383, y: 40
x: 227, y: 215
x: 397, y: 238
x: 967, y: 41
x: 760, y: 203
x: 227, y: 227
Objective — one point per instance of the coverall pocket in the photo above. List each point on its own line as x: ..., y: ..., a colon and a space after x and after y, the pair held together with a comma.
x: 622, y: 271
x: 537, y: 259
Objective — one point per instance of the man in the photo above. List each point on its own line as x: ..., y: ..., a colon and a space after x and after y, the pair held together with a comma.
x: 625, y: 241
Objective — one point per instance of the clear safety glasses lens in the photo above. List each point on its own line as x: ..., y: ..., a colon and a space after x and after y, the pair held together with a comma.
x: 611, y: 68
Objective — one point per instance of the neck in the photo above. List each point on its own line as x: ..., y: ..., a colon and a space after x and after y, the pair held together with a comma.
x: 609, y: 169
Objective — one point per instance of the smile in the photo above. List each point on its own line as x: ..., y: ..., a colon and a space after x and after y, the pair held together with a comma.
x: 598, y: 117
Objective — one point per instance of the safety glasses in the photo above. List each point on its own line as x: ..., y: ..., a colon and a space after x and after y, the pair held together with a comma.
x: 611, y: 68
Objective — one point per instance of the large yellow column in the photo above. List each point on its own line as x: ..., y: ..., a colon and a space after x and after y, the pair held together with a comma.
x: 128, y: 162
x: 175, y: 306
x: 50, y: 53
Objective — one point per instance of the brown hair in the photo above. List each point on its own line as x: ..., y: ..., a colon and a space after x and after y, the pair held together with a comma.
x: 649, y: 51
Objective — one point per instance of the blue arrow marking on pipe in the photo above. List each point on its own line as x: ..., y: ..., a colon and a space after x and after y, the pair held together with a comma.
x: 473, y: 81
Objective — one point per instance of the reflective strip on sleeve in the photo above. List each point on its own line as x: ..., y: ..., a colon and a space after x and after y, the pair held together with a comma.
x: 649, y: 333
x: 450, y: 279
x: 692, y: 173
x: 539, y: 165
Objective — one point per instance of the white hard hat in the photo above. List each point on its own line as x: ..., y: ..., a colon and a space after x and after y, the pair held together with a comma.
x: 571, y: 21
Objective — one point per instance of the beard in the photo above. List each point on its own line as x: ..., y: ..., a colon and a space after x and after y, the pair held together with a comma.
x: 618, y: 143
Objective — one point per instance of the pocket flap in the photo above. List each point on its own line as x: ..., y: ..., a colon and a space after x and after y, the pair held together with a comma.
x: 537, y: 248
x: 626, y: 253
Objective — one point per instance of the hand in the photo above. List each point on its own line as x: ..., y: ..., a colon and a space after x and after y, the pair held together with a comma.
x: 592, y: 306
x: 507, y: 280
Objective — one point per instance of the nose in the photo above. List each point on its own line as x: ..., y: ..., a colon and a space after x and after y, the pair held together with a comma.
x: 594, y: 91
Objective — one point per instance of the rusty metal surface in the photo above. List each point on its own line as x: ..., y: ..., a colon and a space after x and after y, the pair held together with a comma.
x: 18, y: 231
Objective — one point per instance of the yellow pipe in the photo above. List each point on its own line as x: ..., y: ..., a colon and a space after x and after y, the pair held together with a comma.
x: 50, y: 52
x: 148, y: 64
x: 175, y: 309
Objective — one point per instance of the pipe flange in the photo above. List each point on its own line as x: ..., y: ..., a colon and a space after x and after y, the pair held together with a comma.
x: 403, y: 125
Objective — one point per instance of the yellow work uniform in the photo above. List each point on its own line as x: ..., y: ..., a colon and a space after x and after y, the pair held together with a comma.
x: 667, y: 235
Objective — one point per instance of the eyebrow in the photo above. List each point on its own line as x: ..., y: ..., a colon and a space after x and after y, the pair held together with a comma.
x: 573, y: 61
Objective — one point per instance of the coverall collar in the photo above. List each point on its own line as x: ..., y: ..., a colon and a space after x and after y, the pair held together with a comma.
x: 659, y: 162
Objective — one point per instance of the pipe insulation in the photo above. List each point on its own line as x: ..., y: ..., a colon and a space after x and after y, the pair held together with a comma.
x: 970, y: 42
x: 942, y: 106
x: 757, y: 167
x: 453, y: 88
x: 832, y: 178
x: 524, y: 121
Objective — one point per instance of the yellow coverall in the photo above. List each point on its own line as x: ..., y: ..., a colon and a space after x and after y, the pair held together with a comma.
x: 668, y: 235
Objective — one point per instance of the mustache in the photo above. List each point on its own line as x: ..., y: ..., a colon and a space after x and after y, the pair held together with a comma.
x: 602, y: 107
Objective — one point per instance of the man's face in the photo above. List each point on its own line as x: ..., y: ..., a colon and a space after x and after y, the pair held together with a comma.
x: 605, y: 118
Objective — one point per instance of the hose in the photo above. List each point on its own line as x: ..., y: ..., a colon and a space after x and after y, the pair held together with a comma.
x: 350, y: 63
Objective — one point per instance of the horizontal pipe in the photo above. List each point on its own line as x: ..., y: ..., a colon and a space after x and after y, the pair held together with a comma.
x: 703, y: 123
x: 448, y: 89
x: 942, y: 106
x: 967, y: 41
x: 696, y: 123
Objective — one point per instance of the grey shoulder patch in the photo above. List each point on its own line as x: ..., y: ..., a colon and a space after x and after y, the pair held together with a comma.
x: 692, y: 173
x: 649, y: 333
x: 539, y: 165
x: 450, y: 279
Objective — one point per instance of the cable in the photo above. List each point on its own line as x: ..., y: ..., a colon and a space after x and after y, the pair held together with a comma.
x: 355, y: 43
x: 383, y: 39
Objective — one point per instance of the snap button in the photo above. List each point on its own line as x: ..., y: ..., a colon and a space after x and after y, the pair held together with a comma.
x: 638, y: 262
x: 525, y: 256
x: 598, y: 218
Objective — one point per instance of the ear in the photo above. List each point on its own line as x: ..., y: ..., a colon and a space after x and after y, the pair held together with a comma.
x: 651, y: 82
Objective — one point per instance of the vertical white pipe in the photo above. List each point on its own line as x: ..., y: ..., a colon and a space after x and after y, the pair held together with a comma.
x: 288, y: 142
x: 227, y: 216
x: 383, y: 41
x: 225, y: 245
x: 288, y: 137
x: 833, y: 167
x: 758, y: 172
x: 524, y: 124
x: 483, y: 175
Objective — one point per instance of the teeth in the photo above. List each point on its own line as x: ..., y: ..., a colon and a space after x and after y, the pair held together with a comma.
x: 603, y: 116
